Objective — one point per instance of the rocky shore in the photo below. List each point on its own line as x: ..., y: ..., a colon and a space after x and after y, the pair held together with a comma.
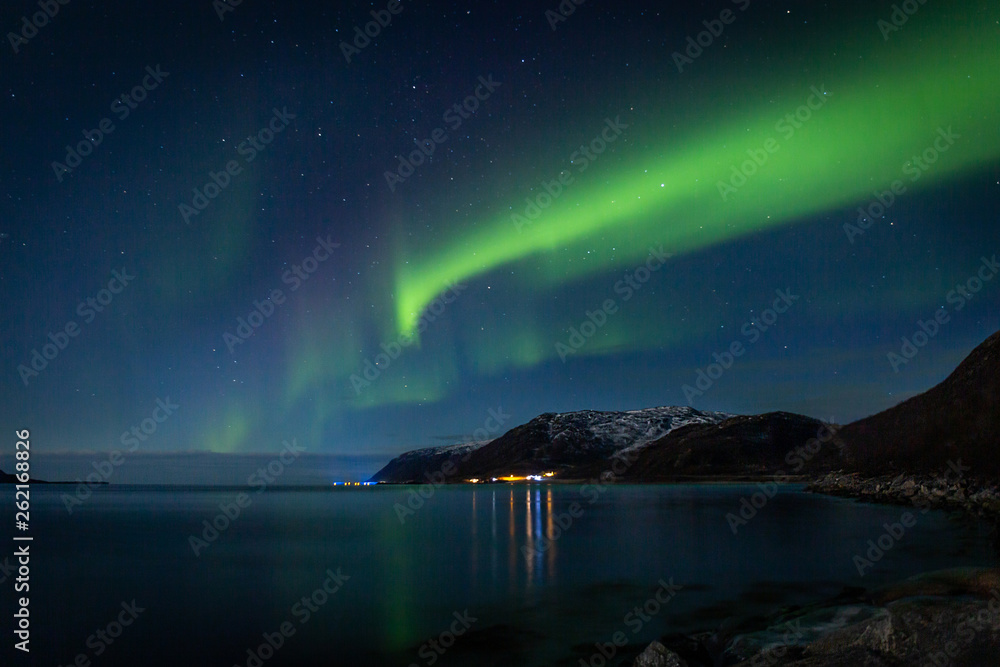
x: 943, y: 618
x: 951, y: 489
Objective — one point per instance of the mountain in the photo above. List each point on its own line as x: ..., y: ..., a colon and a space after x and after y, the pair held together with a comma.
x: 751, y: 446
x: 559, y: 442
x: 958, y: 418
x: 412, y: 466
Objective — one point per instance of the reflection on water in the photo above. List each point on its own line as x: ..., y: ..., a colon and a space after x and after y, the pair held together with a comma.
x: 529, y: 541
x: 512, y: 546
x: 540, y: 543
x: 536, y: 554
x: 548, y: 526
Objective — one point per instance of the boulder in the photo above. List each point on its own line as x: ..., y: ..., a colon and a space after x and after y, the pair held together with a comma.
x: 658, y: 655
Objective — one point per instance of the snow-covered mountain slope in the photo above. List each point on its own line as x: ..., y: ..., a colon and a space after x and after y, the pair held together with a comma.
x: 551, y: 440
x: 620, y: 431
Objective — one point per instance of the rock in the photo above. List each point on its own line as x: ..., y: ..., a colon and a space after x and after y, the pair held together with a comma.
x: 878, y: 636
x: 973, y: 496
x: 975, y: 581
x: 949, y: 617
x: 658, y: 655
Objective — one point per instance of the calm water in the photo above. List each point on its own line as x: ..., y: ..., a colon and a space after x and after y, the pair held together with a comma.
x: 461, y: 551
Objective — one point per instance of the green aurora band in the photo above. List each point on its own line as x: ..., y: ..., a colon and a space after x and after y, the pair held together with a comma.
x: 871, y: 123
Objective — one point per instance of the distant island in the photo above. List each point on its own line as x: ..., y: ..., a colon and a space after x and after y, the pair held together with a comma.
x: 7, y: 478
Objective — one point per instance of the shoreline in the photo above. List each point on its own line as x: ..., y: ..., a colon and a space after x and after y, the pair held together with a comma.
x: 978, y: 497
x: 974, y: 496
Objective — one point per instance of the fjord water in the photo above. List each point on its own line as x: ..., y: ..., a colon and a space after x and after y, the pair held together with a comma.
x: 402, y: 583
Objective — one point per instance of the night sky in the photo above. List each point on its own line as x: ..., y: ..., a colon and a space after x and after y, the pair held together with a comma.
x: 520, y: 211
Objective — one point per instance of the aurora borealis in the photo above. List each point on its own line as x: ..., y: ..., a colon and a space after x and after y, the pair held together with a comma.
x: 822, y: 158
x: 445, y: 293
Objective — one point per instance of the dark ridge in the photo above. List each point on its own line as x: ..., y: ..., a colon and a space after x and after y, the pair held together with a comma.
x: 958, y: 418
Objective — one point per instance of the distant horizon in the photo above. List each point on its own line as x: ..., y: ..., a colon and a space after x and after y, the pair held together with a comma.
x: 200, y: 468
x: 222, y: 469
